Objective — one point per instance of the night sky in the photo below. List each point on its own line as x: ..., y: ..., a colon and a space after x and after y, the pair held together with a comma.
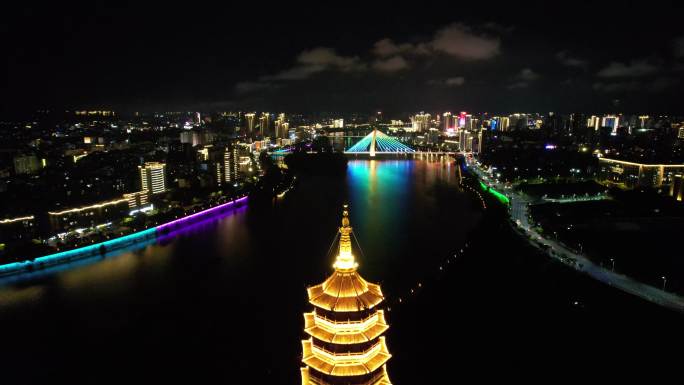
x: 353, y: 56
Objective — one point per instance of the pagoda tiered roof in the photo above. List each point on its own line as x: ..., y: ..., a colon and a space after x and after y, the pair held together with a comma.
x: 349, y: 364
x: 345, y: 291
x: 381, y: 378
x: 345, y: 332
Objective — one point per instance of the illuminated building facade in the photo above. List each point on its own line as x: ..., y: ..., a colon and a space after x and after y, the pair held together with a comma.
x: 479, y: 141
x: 420, y: 122
x: 282, y: 127
x: 17, y: 228
x: 228, y: 171
x: 594, y: 122
x: 448, y: 121
x: 611, y: 121
x: 631, y: 174
x: 26, y: 164
x: 504, y: 123
x: 137, y: 199
x: 338, y: 123
x: 264, y: 123
x: 677, y: 187
x: 250, y: 119
x: 345, y: 343
x: 88, y: 216
x: 153, y: 177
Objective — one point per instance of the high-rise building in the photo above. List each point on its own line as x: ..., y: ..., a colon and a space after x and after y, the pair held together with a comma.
x: 611, y: 121
x: 518, y: 121
x: 265, y: 124
x: 504, y: 123
x: 26, y: 164
x: 186, y: 137
x: 677, y: 187
x: 462, y: 117
x: 468, y: 144
x: 228, y: 173
x: 282, y: 127
x: 250, y: 120
x: 338, y: 123
x: 420, y: 122
x: 345, y: 343
x: 136, y: 199
x: 153, y: 177
x: 448, y: 121
x: 594, y: 121
x: 479, y: 140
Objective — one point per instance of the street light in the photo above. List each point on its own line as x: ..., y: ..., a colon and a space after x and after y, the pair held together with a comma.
x: 613, y: 261
x: 664, y: 281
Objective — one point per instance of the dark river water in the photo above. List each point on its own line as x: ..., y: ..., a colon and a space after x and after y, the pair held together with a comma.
x: 222, y: 303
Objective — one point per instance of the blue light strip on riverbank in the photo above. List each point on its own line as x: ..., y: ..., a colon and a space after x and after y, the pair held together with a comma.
x: 103, y: 247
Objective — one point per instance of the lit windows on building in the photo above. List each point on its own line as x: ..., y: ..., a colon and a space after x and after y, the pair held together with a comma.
x: 137, y: 199
x: 282, y: 127
x: 632, y: 174
x: 250, y: 120
x: 153, y: 177
x: 88, y: 216
x: 227, y: 171
x: 677, y: 187
x: 26, y: 164
x: 611, y: 121
x: 264, y: 123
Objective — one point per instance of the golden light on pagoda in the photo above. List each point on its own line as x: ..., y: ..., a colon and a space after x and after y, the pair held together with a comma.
x: 345, y: 344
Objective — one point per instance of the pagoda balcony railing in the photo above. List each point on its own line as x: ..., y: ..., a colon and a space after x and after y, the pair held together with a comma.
x: 348, y: 357
x: 319, y: 380
x: 335, y: 325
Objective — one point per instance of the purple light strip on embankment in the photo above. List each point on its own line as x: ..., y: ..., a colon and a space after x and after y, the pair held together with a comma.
x: 190, y: 218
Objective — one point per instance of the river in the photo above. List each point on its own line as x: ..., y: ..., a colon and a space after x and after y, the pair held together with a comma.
x: 222, y: 302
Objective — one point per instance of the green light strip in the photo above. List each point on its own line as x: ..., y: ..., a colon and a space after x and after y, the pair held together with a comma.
x: 501, y: 197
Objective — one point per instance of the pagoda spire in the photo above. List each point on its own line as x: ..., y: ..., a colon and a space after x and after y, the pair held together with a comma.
x: 345, y: 259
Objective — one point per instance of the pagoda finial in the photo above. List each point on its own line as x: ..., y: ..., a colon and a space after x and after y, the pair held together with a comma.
x: 345, y: 258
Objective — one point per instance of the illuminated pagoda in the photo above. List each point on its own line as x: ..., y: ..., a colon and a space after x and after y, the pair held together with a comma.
x: 345, y: 344
x: 378, y: 142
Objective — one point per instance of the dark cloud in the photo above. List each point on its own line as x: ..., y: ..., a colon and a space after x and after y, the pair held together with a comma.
x: 654, y: 86
x: 635, y: 68
x: 246, y: 87
x: 569, y: 61
x: 518, y: 85
x: 678, y: 47
x: 459, y: 40
x: 387, y: 47
x: 309, y: 62
x: 455, y: 40
x: 528, y: 75
x: 392, y: 64
x: 455, y: 81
